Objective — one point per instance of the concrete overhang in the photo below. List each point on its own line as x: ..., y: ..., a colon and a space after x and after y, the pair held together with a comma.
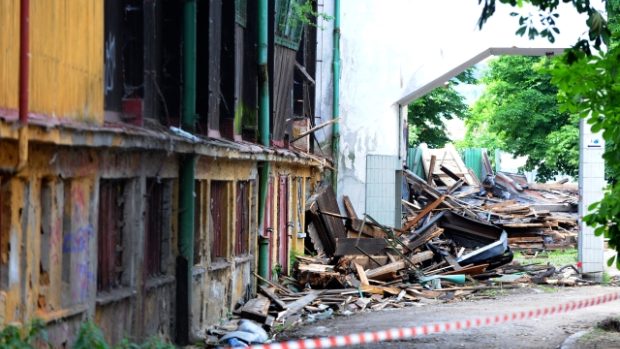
x: 418, y: 89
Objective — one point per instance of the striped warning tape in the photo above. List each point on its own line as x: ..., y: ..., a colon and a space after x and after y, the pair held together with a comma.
x: 422, y: 330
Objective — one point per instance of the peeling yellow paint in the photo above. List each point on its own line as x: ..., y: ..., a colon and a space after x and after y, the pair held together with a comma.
x: 66, y: 58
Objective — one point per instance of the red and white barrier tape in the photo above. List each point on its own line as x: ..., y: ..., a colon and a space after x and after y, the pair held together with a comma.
x: 423, y: 330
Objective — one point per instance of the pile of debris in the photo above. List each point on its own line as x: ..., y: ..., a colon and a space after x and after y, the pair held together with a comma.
x: 457, y: 238
x: 535, y: 216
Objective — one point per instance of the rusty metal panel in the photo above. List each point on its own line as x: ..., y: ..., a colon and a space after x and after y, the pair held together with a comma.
x: 154, y: 226
x: 218, y: 216
x: 242, y: 219
x: 283, y: 198
x: 110, y: 246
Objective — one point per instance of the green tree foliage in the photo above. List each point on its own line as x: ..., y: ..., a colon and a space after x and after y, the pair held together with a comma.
x: 426, y: 115
x: 518, y: 111
x: 589, y: 86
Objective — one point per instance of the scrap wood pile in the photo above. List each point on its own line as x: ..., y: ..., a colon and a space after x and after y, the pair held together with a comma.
x: 456, y: 239
x: 535, y: 216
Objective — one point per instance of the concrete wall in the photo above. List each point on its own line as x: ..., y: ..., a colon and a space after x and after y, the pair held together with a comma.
x: 393, y: 51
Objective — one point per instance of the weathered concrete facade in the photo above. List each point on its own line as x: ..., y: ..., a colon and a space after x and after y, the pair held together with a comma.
x: 89, y: 220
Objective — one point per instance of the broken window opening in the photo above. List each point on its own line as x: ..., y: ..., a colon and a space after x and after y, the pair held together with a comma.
x: 123, y: 60
x: 288, y: 24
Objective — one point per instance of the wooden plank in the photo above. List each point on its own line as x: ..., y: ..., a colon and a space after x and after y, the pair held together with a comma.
x: 424, y: 238
x: 326, y: 201
x: 431, y: 168
x: 426, y: 210
x: 524, y: 225
x: 214, y: 66
x: 297, y: 305
x: 380, y: 289
x: 348, y: 207
x: 280, y: 305
x: 256, y: 309
x: 369, y: 230
x: 434, y: 193
x: 469, y: 270
x: 352, y: 246
x: 362, y: 274
x: 450, y: 174
x: 453, y: 263
x: 283, y: 72
x: 398, y: 265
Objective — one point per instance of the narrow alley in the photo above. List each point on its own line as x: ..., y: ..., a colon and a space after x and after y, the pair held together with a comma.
x: 227, y: 173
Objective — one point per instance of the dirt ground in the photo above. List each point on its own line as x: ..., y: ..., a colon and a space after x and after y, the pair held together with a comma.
x: 548, y: 332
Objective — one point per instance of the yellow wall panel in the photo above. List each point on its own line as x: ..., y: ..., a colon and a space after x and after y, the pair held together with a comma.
x: 66, y: 65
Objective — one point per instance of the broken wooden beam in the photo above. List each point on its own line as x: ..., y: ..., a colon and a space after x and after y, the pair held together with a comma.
x: 348, y: 207
x: 279, y: 304
x: 431, y: 169
x: 399, y: 265
x: 426, y: 210
x: 361, y: 274
x: 256, y: 309
x: 297, y: 305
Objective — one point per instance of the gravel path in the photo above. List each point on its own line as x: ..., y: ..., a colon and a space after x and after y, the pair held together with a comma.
x: 549, y: 332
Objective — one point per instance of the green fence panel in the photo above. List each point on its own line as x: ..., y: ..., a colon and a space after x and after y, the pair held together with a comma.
x: 472, y: 157
x: 414, y: 161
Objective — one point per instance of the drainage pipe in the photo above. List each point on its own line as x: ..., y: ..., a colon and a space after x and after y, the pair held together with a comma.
x: 263, y: 130
x: 187, y: 166
x: 336, y: 95
x: 23, y: 88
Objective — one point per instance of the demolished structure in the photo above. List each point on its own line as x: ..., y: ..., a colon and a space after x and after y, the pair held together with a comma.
x: 457, y: 237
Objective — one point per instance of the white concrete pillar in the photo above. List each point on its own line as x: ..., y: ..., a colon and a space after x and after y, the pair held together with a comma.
x: 591, y: 186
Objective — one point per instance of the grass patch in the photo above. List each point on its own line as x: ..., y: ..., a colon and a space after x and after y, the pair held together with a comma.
x: 557, y: 258
x: 547, y: 288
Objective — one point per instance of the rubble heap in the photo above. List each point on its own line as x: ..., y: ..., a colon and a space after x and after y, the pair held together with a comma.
x: 457, y: 238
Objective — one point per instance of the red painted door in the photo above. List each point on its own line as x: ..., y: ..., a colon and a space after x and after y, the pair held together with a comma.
x: 283, y: 224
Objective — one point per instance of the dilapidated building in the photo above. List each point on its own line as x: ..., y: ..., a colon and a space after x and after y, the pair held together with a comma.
x: 144, y: 148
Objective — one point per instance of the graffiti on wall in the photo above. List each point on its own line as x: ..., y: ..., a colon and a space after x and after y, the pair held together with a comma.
x: 78, y: 241
x: 110, y: 62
